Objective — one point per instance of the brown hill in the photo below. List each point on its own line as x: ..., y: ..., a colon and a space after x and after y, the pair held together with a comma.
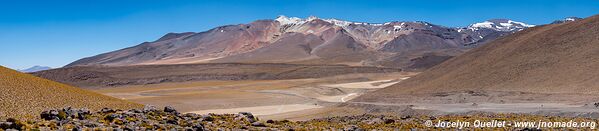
x: 100, y: 76
x: 548, y: 60
x: 25, y: 96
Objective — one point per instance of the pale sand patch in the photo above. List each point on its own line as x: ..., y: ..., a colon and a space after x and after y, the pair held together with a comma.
x: 357, y: 85
x: 261, y: 110
x: 199, y: 61
x: 180, y: 61
x: 349, y: 97
x: 367, y: 84
x: 338, y: 98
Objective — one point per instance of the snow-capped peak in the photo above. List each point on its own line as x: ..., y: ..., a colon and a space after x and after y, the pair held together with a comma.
x: 338, y: 22
x: 35, y: 69
x: 311, y: 18
x: 284, y: 20
x: 343, y: 23
x: 501, y: 25
x: 567, y: 19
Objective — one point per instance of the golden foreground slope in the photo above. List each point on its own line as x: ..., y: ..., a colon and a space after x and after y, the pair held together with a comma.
x: 25, y: 96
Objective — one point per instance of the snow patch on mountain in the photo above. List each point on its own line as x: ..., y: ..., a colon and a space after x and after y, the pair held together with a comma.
x: 500, y: 25
x: 35, y: 69
x: 339, y: 22
x: 567, y: 19
x: 284, y: 20
x: 570, y: 19
x: 343, y: 23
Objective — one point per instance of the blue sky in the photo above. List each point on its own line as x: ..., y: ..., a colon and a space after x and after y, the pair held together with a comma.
x: 55, y: 33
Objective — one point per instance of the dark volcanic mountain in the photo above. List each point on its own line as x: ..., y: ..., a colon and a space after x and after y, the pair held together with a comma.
x: 312, y: 41
x: 552, y: 60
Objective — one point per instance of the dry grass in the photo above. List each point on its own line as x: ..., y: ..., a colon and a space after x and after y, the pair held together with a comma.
x: 24, y: 96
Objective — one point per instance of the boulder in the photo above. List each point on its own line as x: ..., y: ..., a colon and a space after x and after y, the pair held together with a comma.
x: 70, y: 112
x: 258, y: 124
x: 374, y: 121
x: 172, y: 121
x: 198, y: 127
x: 207, y: 118
x: 107, y: 110
x: 49, y: 115
x: 169, y: 109
x: 149, y: 108
x: 45, y: 115
x: 111, y: 117
x: 135, y: 111
x: 389, y: 121
x: 82, y: 113
x: 352, y: 128
x: 249, y: 116
x: 76, y: 128
x: 192, y: 116
x: 5, y: 125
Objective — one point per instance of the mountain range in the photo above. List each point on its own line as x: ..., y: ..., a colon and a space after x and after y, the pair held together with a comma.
x: 400, y: 44
x: 555, y: 62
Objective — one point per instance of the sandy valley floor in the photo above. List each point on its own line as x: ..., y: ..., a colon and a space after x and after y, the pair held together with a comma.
x: 301, y: 99
x: 275, y: 98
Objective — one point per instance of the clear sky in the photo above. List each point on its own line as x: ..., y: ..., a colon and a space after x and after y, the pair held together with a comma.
x: 57, y: 32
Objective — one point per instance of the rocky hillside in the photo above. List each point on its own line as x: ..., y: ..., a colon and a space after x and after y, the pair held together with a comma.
x: 24, y: 95
x: 558, y: 58
x: 313, y: 41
